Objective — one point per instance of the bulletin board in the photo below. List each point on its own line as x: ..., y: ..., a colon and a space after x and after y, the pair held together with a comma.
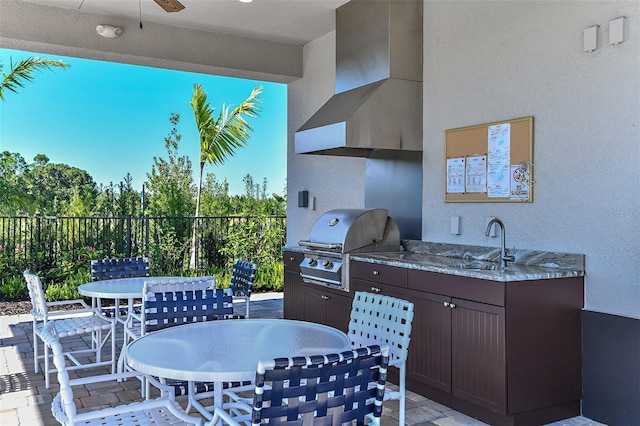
x: 490, y: 162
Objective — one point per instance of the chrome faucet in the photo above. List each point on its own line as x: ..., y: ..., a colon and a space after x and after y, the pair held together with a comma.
x: 504, y: 252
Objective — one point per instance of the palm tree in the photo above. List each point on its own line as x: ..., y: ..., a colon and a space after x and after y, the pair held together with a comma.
x: 23, y: 71
x: 220, y: 137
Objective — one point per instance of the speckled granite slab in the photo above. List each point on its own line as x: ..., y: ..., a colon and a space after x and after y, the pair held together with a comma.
x: 492, y: 254
x: 479, y: 262
x: 476, y: 261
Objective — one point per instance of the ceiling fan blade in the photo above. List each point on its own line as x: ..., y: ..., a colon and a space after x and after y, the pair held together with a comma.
x: 170, y: 5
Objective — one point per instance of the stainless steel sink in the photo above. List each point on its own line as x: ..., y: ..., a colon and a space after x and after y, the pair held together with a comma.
x: 477, y: 266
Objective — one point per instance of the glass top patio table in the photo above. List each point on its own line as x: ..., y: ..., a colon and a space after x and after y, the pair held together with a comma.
x: 228, y: 350
x: 120, y: 288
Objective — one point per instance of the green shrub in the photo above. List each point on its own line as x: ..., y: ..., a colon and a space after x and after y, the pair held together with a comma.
x: 269, y: 277
x: 68, y: 289
x: 14, y: 288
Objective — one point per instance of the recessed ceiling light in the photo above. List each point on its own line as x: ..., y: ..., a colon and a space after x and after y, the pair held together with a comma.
x: 245, y: 1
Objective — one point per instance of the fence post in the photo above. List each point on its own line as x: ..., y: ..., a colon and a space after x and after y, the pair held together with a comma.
x: 128, y: 235
x: 146, y: 238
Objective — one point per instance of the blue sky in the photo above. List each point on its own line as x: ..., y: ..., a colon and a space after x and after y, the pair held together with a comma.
x: 111, y: 119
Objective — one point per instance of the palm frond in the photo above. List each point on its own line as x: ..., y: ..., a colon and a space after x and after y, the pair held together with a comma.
x: 231, y: 130
x: 203, y: 114
x: 23, y: 72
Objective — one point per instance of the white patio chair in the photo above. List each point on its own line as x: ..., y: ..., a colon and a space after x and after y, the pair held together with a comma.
x: 72, y: 322
x: 242, y: 278
x: 179, y: 301
x: 163, y: 410
x: 137, y: 324
x: 324, y: 389
x: 377, y: 319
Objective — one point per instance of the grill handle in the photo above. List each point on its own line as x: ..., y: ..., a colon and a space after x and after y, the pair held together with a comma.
x: 319, y: 280
x: 320, y: 246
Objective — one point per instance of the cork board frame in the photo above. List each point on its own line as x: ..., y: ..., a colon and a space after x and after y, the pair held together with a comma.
x: 472, y: 141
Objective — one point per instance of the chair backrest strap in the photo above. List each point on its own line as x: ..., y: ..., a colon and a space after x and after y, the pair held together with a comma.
x: 322, y: 389
x: 242, y: 277
x: 129, y: 267
x: 36, y: 294
x: 177, y: 307
x: 378, y: 319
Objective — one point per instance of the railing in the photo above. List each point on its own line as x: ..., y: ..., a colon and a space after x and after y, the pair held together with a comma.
x: 42, y: 241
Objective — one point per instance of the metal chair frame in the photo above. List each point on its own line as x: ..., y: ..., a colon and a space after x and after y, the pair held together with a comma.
x: 71, y: 322
x: 331, y: 389
x: 378, y: 319
x: 163, y: 410
x: 242, y: 278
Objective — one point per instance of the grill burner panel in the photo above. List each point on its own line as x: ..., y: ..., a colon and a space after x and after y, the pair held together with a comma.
x: 336, y: 234
x: 322, y: 269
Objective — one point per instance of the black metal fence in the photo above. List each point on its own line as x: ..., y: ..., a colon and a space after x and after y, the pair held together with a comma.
x: 42, y: 241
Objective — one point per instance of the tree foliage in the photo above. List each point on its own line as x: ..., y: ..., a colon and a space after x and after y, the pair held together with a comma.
x: 170, y: 183
x: 219, y: 137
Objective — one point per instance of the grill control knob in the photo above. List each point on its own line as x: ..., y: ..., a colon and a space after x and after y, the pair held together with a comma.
x: 327, y: 264
x: 313, y: 262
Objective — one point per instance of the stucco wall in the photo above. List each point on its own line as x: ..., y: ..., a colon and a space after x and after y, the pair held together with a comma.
x: 495, y: 60
x: 490, y: 61
x: 335, y: 182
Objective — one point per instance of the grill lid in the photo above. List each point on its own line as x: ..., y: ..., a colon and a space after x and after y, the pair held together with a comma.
x: 347, y: 229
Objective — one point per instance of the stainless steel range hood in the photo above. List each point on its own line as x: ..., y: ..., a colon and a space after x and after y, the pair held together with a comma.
x: 378, y: 102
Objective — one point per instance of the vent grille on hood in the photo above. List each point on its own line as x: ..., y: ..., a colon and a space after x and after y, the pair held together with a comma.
x: 378, y: 101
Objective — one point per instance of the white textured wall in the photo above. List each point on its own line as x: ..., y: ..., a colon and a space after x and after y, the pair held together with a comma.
x: 336, y: 182
x: 488, y: 61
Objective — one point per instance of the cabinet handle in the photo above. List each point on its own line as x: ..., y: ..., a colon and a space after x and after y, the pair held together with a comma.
x: 446, y: 304
x: 325, y: 297
x: 376, y: 272
x: 375, y: 289
x: 292, y: 258
x: 452, y: 305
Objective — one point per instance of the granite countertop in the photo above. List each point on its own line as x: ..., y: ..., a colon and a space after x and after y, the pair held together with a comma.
x: 471, y: 261
x: 453, y: 266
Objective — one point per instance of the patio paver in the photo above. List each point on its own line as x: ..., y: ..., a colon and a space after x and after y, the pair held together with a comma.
x: 24, y: 401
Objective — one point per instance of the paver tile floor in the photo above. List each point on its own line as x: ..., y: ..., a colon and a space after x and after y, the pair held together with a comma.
x: 24, y: 400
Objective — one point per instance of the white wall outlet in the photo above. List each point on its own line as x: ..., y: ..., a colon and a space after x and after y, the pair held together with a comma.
x: 494, y: 231
x: 455, y: 225
x: 312, y: 203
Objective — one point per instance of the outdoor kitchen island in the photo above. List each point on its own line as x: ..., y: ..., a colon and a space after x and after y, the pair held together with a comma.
x: 501, y: 345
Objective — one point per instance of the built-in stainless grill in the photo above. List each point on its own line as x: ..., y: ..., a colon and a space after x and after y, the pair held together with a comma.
x: 337, y: 234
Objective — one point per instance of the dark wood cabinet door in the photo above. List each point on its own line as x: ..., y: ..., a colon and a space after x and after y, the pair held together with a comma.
x: 429, y: 359
x: 328, y: 307
x: 315, y: 305
x: 478, y: 360
x: 339, y: 311
x: 293, y: 306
